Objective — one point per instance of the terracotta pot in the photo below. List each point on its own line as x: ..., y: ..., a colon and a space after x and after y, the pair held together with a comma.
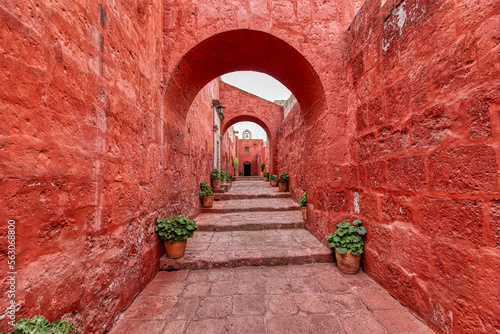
x: 274, y: 183
x: 176, y: 249
x: 216, y: 183
x: 208, y: 201
x: 266, y: 178
x: 304, y: 212
x: 282, y: 186
x: 348, y: 263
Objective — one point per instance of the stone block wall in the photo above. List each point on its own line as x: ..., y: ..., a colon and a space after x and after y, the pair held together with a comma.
x: 424, y: 102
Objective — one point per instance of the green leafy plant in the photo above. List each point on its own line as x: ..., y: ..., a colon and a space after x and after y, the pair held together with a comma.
x: 255, y: 173
x: 266, y: 174
x: 205, y: 190
x: 283, y: 178
x: 235, y: 163
x: 303, y: 199
x: 227, y: 176
x: 273, y: 177
x: 39, y: 325
x: 262, y: 166
x: 348, y: 237
x: 215, y: 175
x: 240, y: 173
x: 177, y: 228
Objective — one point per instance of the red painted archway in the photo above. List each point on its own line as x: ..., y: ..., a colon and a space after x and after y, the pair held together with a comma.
x: 239, y: 50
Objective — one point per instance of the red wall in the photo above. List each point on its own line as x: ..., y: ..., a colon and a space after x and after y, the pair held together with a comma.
x: 425, y: 126
x: 254, y: 149
x: 89, y: 158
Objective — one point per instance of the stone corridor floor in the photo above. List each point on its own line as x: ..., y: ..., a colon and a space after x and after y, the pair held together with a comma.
x: 312, y: 298
x: 250, y: 269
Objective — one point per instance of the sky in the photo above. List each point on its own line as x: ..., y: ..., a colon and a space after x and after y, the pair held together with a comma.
x: 259, y: 84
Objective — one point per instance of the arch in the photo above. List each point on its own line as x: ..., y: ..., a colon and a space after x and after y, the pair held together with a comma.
x: 246, y: 118
x: 240, y: 50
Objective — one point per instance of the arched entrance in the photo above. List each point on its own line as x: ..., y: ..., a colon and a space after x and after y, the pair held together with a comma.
x: 247, y: 168
x: 240, y: 50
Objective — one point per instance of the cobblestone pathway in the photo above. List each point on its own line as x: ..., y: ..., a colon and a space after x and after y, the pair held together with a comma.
x: 259, y: 271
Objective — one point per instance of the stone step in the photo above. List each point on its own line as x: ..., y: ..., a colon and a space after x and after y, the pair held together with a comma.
x: 252, y: 204
x: 228, y: 196
x: 249, y: 178
x: 249, y: 248
x: 240, y: 221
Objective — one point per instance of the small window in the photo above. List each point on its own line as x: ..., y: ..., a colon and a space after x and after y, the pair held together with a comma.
x: 247, y: 149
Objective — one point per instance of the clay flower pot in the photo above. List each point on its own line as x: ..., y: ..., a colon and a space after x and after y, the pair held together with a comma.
x: 208, y: 201
x: 274, y: 183
x: 266, y: 178
x: 304, y: 212
x: 282, y: 186
x: 176, y: 249
x: 216, y: 183
x: 348, y: 263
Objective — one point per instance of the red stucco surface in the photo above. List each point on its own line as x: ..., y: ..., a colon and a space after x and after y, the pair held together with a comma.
x: 106, y: 125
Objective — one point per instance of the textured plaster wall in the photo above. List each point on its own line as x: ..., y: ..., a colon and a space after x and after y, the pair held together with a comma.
x: 88, y: 156
x: 424, y: 101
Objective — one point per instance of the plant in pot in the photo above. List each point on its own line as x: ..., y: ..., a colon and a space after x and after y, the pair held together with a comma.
x: 283, y: 181
x: 228, y: 177
x: 303, y: 205
x: 235, y: 163
x: 348, y: 243
x: 274, y: 180
x: 240, y: 173
x: 206, y: 194
x: 266, y: 176
x: 216, y: 177
x: 174, y: 232
x: 262, y: 166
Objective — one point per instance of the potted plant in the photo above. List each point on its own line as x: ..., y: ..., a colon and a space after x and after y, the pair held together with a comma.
x: 348, y: 243
x: 262, y: 166
x: 174, y: 232
x: 283, y: 181
x: 206, y: 194
x: 235, y: 163
x: 240, y: 173
x: 303, y: 206
x: 266, y: 176
x: 216, y: 177
x: 229, y: 177
x: 273, y: 180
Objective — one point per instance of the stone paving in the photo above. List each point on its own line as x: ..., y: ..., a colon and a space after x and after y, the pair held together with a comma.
x: 249, y: 248
x: 250, y: 221
x: 297, y: 299
x: 261, y: 272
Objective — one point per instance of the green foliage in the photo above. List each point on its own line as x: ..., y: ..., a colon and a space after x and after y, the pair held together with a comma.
x: 283, y: 178
x: 273, y: 177
x: 266, y: 174
x: 177, y: 228
x: 235, y: 163
x: 240, y: 173
x: 262, y: 166
x: 216, y: 175
x: 226, y: 176
x: 39, y: 325
x: 205, y: 190
x: 303, y: 199
x: 348, y: 237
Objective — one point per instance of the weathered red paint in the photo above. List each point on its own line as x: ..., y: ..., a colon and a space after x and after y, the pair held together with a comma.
x: 397, y: 122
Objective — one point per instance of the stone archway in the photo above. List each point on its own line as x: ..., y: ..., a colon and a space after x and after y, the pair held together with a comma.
x: 239, y: 50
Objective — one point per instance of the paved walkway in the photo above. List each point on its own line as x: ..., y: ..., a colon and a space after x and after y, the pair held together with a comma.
x: 261, y: 272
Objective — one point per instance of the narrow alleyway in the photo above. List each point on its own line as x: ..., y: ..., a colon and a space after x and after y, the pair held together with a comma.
x: 252, y: 267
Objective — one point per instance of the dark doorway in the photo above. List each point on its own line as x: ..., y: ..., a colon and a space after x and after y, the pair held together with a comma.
x: 247, y: 168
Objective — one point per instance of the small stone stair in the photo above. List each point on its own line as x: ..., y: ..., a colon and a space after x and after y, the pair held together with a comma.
x: 252, y: 225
